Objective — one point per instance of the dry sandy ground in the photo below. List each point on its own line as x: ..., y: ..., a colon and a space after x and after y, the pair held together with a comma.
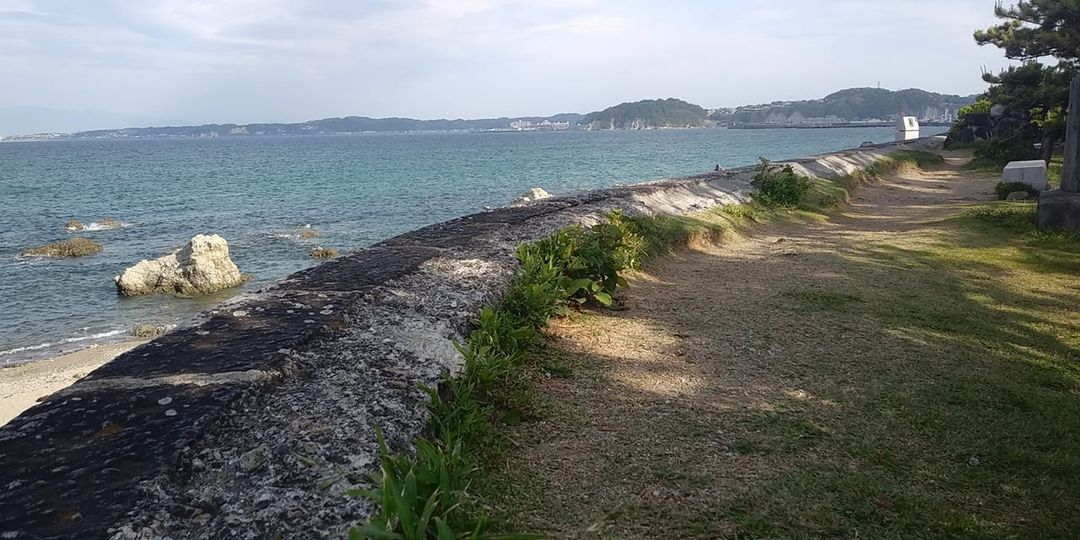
x: 660, y: 389
x: 24, y: 385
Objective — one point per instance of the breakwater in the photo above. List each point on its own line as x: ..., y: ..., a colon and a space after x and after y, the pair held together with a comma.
x: 256, y: 422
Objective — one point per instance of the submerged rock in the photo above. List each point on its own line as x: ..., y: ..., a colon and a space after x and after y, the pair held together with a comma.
x: 74, y: 225
x: 110, y: 223
x: 306, y: 232
x: 75, y: 247
x: 147, y: 330
x: 534, y: 194
x: 202, y: 266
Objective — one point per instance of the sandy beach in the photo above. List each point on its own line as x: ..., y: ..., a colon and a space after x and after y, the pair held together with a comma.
x: 22, y: 386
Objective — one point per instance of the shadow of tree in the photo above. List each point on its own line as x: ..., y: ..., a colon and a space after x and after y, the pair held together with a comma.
x: 818, y: 381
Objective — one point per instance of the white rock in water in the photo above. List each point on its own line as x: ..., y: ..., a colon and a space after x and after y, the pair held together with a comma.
x: 202, y: 266
x: 534, y: 194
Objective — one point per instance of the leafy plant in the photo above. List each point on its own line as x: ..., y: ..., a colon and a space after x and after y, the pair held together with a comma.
x: 996, y: 153
x: 426, y: 495
x: 1003, y: 189
x: 778, y: 186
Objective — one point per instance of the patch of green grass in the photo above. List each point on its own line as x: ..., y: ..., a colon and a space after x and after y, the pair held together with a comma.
x: 967, y: 409
x: 779, y: 432
x: 826, y: 195
x: 1053, y: 173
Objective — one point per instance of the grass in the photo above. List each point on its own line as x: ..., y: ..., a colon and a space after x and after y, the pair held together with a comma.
x: 968, y: 432
x: 447, y: 489
x: 75, y: 247
x: 939, y: 397
x: 1054, y: 170
x: 825, y: 196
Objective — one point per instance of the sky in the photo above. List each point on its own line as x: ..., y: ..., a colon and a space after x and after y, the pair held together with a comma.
x: 76, y: 64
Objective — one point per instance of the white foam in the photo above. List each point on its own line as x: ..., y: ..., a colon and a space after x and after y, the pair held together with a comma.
x: 95, y: 226
x: 65, y: 341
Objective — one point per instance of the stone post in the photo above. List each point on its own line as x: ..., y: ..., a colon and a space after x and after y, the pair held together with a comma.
x: 1070, y: 178
x: 1060, y: 209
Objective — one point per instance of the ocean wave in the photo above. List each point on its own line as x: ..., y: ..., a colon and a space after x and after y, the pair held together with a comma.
x: 65, y: 341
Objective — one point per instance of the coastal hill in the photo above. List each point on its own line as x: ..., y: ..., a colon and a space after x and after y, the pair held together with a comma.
x: 348, y: 124
x: 853, y: 104
x: 652, y: 113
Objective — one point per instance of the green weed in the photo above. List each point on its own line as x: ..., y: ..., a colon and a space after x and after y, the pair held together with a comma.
x: 778, y: 186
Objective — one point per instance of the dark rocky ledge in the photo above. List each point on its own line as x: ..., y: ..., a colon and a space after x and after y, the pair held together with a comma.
x: 254, y: 423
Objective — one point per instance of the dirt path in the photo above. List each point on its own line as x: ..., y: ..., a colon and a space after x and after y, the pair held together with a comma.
x: 735, y: 373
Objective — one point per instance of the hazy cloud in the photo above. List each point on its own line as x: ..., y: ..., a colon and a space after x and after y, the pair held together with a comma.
x: 287, y: 60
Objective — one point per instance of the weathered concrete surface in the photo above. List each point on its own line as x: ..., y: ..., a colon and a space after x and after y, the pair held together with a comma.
x: 1059, y: 210
x: 255, y: 422
x: 1031, y: 173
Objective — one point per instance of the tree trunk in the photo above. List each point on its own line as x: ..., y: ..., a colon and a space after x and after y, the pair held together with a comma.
x: 1070, y: 178
x: 1047, y: 152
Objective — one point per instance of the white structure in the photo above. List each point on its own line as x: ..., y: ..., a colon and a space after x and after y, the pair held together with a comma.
x: 1032, y: 173
x: 907, y: 128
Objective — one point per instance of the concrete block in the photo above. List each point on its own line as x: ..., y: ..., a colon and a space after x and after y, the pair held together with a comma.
x: 1032, y: 173
x: 907, y: 128
x: 1059, y: 210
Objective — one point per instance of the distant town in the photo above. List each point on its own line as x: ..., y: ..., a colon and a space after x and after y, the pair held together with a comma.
x: 856, y: 107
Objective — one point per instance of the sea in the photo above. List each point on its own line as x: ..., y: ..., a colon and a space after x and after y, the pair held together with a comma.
x: 260, y: 193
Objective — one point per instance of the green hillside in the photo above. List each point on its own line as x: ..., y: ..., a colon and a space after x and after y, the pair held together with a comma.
x: 647, y: 114
x: 849, y: 105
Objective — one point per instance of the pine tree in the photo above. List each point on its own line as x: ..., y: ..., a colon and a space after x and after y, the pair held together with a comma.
x: 1034, y: 30
x: 1037, y: 29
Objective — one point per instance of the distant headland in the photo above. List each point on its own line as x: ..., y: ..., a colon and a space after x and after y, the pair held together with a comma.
x: 851, y: 107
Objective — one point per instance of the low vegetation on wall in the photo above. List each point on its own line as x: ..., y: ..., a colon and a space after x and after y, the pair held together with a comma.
x: 432, y: 493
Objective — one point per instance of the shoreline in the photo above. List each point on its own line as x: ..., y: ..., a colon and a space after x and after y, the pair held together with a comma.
x: 23, y: 385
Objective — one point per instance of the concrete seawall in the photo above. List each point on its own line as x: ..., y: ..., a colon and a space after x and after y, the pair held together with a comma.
x: 255, y: 422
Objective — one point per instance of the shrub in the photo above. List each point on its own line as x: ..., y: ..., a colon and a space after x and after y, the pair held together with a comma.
x: 996, y: 153
x: 778, y: 186
x: 1003, y: 189
x: 75, y: 247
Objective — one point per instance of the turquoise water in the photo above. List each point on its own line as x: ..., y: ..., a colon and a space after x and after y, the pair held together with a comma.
x: 256, y: 192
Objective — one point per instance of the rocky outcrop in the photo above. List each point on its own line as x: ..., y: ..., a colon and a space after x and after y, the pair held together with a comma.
x: 323, y: 253
x: 202, y: 266
x: 76, y: 247
x: 533, y: 195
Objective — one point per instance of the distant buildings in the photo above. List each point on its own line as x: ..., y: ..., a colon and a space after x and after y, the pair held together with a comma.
x: 546, y: 125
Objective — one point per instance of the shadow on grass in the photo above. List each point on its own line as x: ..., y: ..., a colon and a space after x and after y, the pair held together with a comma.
x: 902, y: 386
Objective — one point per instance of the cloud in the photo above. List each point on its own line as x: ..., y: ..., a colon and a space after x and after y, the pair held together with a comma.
x: 248, y: 60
